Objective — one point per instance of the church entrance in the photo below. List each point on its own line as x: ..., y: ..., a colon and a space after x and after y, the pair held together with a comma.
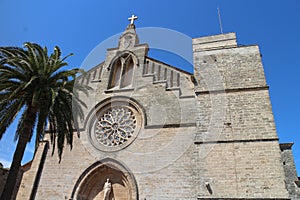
x: 106, y: 180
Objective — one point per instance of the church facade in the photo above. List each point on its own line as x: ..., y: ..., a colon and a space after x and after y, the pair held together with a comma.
x: 156, y: 132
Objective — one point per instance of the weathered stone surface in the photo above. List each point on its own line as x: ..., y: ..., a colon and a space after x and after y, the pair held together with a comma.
x: 290, y: 170
x: 210, y: 135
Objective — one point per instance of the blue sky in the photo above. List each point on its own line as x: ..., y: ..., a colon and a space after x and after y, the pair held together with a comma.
x: 79, y: 26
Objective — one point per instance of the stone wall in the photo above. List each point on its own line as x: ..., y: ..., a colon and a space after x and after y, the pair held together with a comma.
x: 209, y: 135
x: 290, y: 170
x: 238, y: 148
x: 240, y: 170
x: 227, y: 67
x: 161, y: 167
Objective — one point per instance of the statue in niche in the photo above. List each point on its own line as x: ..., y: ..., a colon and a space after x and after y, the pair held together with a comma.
x: 107, y: 189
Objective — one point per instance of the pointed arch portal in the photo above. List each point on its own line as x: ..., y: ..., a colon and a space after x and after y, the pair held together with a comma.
x: 89, y: 185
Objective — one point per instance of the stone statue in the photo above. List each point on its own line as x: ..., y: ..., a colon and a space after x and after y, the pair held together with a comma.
x: 107, y: 189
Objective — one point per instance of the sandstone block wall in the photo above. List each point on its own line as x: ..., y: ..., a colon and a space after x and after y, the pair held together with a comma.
x: 207, y: 135
x: 290, y: 170
x: 236, y: 133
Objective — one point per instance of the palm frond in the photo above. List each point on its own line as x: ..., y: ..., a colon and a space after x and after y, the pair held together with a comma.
x: 8, y: 112
x: 26, y: 122
x: 30, y: 77
x: 36, y: 85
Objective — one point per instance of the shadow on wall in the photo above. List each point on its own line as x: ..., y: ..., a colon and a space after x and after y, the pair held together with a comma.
x: 3, y: 177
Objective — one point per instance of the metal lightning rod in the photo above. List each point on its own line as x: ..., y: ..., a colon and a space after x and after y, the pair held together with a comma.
x: 220, y: 21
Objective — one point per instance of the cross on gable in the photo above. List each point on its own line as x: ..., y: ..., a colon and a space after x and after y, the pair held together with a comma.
x: 132, y: 18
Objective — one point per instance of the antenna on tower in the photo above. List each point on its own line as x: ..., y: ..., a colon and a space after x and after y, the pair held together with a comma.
x: 220, y: 21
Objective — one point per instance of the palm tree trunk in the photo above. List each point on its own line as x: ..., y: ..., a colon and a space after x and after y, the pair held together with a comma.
x: 24, y: 137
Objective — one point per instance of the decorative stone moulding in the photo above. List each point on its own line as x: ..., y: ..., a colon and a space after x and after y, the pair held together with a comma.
x: 115, y: 126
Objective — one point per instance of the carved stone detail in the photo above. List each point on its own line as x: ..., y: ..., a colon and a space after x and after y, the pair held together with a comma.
x: 115, y: 126
x: 127, y: 41
x: 107, y: 189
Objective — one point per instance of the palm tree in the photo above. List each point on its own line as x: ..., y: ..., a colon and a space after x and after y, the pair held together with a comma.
x: 36, y: 85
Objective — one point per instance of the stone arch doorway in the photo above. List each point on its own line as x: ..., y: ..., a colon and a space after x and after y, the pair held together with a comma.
x: 90, y: 185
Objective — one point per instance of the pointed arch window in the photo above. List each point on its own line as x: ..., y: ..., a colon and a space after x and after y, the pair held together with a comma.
x: 128, y: 72
x: 122, y: 72
x: 116, y: 74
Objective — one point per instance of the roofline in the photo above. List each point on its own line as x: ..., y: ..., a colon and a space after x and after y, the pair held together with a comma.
x: 285, y: 146
x: 176, y: 68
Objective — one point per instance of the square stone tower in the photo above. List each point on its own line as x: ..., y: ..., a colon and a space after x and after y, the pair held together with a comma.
x: 238, y: 147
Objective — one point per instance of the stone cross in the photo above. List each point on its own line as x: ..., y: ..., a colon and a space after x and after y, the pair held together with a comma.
x: 132, y: 18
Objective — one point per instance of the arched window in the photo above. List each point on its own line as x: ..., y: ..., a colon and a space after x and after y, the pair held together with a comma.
x: 122, y: 72
x: 115, y: 78
x: 128, y: 72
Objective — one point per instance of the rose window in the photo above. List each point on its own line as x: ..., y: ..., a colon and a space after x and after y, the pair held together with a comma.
x: 115, y: 126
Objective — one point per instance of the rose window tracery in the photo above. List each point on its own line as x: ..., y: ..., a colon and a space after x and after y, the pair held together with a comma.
x: 115, y: 126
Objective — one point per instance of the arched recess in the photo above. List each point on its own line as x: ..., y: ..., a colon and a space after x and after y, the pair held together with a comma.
x: 89, y: 185
x: 122, y: 70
